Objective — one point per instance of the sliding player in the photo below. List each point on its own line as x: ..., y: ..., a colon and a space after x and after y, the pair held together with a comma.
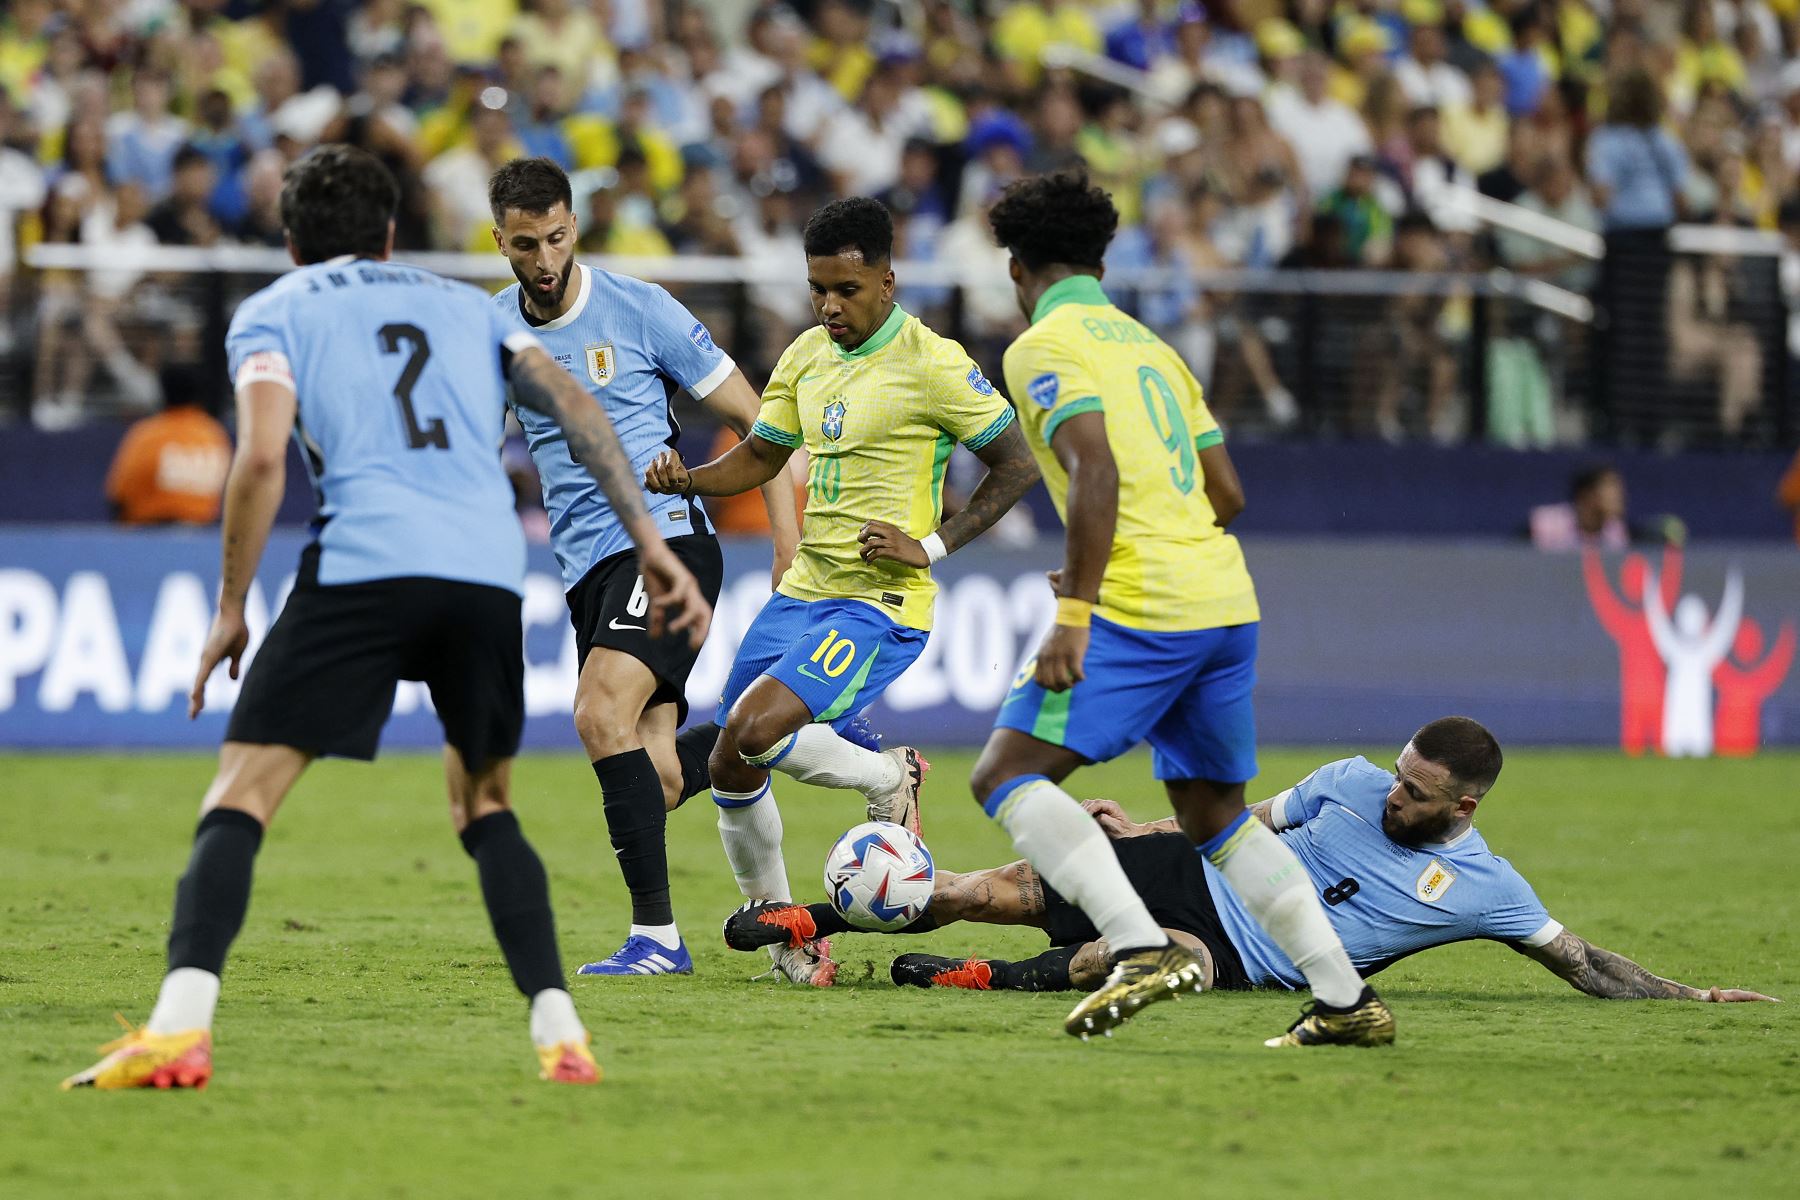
x: 633, y: 347
x: 879, y: 401
x: 1394, y: 855
x: 1155, y: 633
x: 393, y: 380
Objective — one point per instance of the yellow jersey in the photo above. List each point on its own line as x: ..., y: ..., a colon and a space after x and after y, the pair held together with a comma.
x: 879, y: 423
x: 1172, y: 568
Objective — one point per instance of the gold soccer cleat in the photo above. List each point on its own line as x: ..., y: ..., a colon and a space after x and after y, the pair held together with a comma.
x: 145, y: 1059
x: 1368, y: 1022
x: 1140, y: 978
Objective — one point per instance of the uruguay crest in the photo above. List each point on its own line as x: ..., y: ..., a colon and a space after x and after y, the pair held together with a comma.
x: 833, y: 424
x: 600, y: 363
x: 1434, y: 882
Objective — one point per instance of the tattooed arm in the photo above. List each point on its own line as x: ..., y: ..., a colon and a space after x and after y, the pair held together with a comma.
x: 1010, y: 473
x: 1610, y: 976
x: 676, y: 603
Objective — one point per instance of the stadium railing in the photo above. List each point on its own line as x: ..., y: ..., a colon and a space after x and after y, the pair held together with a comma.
x: 1492, y: 356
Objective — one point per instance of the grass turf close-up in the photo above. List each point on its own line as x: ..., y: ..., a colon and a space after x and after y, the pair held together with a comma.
x: 369, y: 1041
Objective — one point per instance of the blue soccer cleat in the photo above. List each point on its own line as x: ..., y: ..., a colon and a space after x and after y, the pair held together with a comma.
x: 860, y: 733
x: 643, y: 956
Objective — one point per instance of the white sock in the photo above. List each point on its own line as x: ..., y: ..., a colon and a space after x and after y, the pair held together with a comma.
x: 666, y: 936
x: 1274, y: 887
x: 1069, y: 849
x: 750, y: 827
x: 817, y: 755
x: 186, y: 1001
x: 553, y: 1019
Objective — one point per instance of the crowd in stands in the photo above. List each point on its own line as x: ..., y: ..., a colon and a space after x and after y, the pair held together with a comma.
x: 1246, y: 134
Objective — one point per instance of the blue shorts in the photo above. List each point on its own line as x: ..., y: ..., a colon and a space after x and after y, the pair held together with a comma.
x: 836, y: 655
x: 1187, y: 694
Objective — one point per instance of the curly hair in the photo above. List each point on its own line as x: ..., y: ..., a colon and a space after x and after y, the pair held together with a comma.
x: 856, y: 222
x: 1059, y: 218
x: 338, y: 200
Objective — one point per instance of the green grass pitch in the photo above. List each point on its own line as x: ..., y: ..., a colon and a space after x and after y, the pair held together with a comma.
x: 370, y: 1043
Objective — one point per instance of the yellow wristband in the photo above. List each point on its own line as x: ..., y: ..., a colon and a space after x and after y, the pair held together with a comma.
x: 1076, y: 614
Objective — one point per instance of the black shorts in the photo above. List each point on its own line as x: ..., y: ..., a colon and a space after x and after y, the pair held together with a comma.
x: 323, y: 680
x: 1169, y: 874
x: 610, y: 608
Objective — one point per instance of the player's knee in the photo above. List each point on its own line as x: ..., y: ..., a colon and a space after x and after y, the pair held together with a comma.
x: 755, y: 733
x: 671, y: 787
x: 604, y: 730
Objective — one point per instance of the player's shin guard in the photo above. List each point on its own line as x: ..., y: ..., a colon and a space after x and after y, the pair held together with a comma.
x: 693, y: 749
x: 518, y: 901
x: 214, y: 894
x: 1274, y: 887
x: 636, y: 820
x: 750, y: 828
x: 815, y: 754
x: 1071, y: 852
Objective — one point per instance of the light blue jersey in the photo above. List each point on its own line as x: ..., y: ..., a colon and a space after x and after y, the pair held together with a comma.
x: 634, y: 346
x: 400, y: 380
x: 1385, y: 900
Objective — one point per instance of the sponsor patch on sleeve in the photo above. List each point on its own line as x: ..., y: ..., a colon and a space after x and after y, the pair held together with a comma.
x: 700, y: 337
x: 979, y: 382
x: 1043, y: 389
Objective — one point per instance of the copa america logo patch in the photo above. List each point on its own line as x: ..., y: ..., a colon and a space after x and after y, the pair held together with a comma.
x: 1043, y: 389
x: 700, y: 337
x: 979, y: 382
x: 833, y: 424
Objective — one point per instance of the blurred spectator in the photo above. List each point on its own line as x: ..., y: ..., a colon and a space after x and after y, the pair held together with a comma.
x: 560, y: 34
x: 170, y: 468
x: 141, y: 143
x: 1595, y: 516
x: 1556, y: 192
x: 1636, y: 165
x: 1524, y: 69
x: 216, y: 137
x: 184, y: 216
x: 1475, y: 134
x: 1426, y: 73
x: 1325, y: 134
x: 21, y: 192
x: 319, y: 32
x: 1413, y: 365
x: 458, y: 178
x: 1435, y: 176
x: 1788, y: 493
x: 861, y: 149
x: 1368, y: 229
x: 1026, y: 28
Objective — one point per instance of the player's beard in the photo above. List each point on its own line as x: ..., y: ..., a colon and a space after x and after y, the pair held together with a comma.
x: 555, y: 299
x: 1421, y: 831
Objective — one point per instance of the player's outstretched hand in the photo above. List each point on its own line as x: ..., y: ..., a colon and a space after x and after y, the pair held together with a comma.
x: 1719, y: 995
x: 884, y: 542
x: 676, y: 602
x: 226, y: 640
x: 1060, y: 658
x: 1113, y: 819
x: 667, y: 475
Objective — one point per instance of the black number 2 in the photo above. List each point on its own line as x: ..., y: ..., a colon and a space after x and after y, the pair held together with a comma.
x: 433, y: 434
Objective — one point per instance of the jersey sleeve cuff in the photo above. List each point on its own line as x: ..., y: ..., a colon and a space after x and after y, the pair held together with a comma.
x: 265, y: 366
x: 991, y: 432
x: 1543, y: 937
x: 521, y: 340
x: 714, y: 378
x: 1073, y: 408
x: 770, y: 433
x: 1278, y: 810
x: 1209, y: 439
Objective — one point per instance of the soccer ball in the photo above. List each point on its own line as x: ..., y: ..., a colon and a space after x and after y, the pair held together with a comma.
x: 879, y: 876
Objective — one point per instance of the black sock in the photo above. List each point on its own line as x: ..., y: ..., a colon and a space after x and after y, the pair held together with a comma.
x: 631, y: 794
x: 518, y: 900
x: 827, y: 921
x: 1048, y: 972
x: 214, y: 894
x: 694, y: 747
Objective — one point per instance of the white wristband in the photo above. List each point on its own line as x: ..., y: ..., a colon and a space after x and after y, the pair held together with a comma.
x: 934, y: 547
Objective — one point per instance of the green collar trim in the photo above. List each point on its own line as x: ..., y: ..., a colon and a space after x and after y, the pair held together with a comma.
x: 890, y: 328
x: 1076, y: 289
